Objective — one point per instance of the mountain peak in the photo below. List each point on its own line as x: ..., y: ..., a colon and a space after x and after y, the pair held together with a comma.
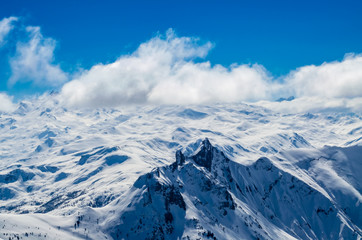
x: 204, y: 155
x: 180, y: 158
x: 206, y: 144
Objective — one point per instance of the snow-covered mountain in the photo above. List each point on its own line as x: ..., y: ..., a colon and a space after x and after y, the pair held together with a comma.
x: 208, y: 195
x: 240, y: 172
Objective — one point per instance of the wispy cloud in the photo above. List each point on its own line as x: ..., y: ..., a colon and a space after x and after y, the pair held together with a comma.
x: 6, y: 25
x: 34, y: 61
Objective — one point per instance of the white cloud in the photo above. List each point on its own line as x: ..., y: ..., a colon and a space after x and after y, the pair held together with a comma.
x: 330, y: 80
x: 6, y: 103
x: 6, y: 25
x: 33, y: 61
x: 201, y: 83
x: 315, y: 104
x: 162, y: 70
x: 334, y: 86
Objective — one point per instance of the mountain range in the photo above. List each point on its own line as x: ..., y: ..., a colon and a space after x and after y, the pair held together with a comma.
x: 227, y: 171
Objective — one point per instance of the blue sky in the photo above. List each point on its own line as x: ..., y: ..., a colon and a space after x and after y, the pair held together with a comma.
x: 279, y: 35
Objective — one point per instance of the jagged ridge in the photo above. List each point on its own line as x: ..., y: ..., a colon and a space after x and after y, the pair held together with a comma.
x: 208, y: 194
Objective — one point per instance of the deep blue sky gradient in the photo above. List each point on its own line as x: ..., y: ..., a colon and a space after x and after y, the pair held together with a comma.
x: 280, y: 35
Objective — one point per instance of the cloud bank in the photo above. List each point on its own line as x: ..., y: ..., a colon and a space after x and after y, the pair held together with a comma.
x: 169, y: 69
x: 314, y: 104
x: 163, y: 70
x: 329, y: 80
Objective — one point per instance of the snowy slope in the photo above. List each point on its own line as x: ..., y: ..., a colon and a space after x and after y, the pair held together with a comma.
x: 206, y: 194
x: 73, y: 165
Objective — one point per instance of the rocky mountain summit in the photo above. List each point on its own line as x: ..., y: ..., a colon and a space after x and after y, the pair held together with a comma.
x: 209, y: 196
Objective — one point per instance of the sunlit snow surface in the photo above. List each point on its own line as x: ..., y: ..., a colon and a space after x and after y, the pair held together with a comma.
x: 59, y: 166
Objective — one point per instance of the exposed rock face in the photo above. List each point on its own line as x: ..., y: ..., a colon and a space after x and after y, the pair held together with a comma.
x: 205, y: 156
x: 217, y: 198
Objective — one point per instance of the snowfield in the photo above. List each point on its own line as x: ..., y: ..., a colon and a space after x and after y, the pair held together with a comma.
x: 227, y: 171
